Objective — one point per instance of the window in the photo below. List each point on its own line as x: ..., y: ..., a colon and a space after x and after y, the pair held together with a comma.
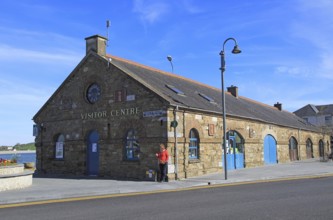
x: 93, y: 93
x: 174, y: 89
x: 132, y: 148
x: 194, y: 144
x: 235, y: 143
x: 328, y: 120
x: 59, y: 147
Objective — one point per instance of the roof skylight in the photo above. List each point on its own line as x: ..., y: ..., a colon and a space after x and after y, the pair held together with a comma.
x: 207, y: 97
x: 176, y: 90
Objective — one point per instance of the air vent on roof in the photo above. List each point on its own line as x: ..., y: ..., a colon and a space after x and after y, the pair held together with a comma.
x: 174, y: 89
x: 209, y: 99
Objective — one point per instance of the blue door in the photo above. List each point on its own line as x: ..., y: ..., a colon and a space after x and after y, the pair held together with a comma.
x: 93, y: 154
x: 235, y: 156
x: 270, y: 150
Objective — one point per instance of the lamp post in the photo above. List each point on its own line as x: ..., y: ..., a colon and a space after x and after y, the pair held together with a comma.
x: 170, y: 60
x: 236, y: 50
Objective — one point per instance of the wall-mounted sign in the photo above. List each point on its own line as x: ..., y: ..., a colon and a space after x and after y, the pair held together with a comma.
x: 156, y: 113
x: 130, y: 97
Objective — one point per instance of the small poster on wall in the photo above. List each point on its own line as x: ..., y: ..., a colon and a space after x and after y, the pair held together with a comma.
x: 171, y: 168
x: 59, y: 150
x: 94, y: 147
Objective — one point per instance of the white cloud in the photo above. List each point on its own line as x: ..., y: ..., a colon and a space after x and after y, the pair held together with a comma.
x: 190, y: 7
x: 20, y: 100
x: 150, y: 11
x: 295, y: 71
x: 327, y: 62
x: 9, y: 53
x: 313, y: 26
x: 16, y: 92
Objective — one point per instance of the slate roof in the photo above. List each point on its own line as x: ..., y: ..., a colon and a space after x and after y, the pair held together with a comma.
x: 157, y: 81
x: 315, y: 110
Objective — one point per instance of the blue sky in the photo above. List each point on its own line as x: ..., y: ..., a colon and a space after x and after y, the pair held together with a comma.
x: 287, y: 48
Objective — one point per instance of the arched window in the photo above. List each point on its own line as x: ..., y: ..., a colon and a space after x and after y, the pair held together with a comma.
x: 235, y: 142
x: 132, y: 148
x: 59, y: 147
x: 194, y: 144
x: 309, y: 149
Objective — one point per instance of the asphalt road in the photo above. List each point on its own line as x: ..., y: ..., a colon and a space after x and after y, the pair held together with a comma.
x: 293, y: 199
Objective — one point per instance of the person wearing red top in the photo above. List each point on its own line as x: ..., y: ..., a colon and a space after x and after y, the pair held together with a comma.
x: 163, y: 157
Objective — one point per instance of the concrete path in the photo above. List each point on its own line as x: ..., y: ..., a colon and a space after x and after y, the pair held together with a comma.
x: 62, y: 188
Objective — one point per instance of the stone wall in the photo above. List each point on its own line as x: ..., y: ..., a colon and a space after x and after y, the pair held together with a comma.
x: 14, y: 177
x: 253, y: 133
x: 69, y: 113
x: 10, y: 170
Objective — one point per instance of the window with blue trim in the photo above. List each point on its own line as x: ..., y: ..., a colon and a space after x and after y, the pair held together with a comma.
x: 132, y: 148
x: 194, y: 144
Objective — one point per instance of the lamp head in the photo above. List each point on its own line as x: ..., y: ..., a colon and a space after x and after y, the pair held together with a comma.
x: 236, y: 50
x: 169, y: 58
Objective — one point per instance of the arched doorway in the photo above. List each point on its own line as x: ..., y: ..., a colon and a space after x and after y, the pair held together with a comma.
x: 235, y: 151
x: 321, y: 148
x: 93, y: 154
x: 293, y: 149
x: 309, y: 149
x: 270, y: 150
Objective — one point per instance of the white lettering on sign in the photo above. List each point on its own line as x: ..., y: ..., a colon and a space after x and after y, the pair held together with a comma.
x: 112, y: 113
x: 94, y: 115
x: 124, y: 111
x: 156, y: 113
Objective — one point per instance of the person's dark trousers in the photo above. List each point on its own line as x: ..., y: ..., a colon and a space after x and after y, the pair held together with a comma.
x: 163, y: 170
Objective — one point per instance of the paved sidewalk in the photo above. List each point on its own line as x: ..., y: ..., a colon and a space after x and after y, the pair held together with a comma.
x: 61, y: 188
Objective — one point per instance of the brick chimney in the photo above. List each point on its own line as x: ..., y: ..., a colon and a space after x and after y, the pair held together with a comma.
x: 233, y: 90
x: 97, y: 44
x: 278, y: 106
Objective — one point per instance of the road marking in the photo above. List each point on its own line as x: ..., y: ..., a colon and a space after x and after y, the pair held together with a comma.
x: 84, y: 198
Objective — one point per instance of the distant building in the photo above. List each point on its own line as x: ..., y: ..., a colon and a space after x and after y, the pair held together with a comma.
x: 109, y: 115
x: 319, y: 115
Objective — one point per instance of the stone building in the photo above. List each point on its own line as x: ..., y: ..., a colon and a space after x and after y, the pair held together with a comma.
x: 110, y: 114
x: 321, y: 116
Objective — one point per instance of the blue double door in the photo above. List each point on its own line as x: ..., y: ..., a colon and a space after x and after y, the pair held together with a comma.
x: 235, y: 155
x: 270, y: 150
x: 93, y: 154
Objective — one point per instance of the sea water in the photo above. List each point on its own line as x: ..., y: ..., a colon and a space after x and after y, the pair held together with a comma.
x: 22, y: 157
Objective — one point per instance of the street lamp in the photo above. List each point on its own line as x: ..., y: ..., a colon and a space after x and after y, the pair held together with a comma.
x: 170, y: 60
x: 236, y: 50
